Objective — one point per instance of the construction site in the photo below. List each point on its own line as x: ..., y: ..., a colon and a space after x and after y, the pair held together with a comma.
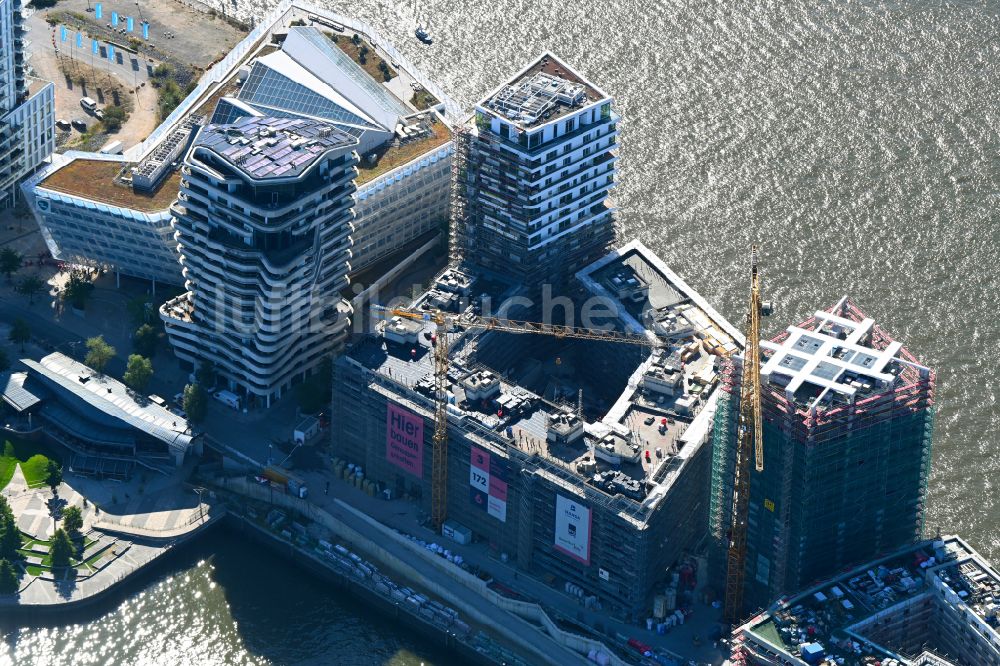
x: 930, y: 604
x: 579, y: 453
x: 846, y: 421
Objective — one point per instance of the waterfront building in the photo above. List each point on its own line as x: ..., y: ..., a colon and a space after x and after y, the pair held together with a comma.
x: 533, y: 171
x: 114, y: 211
x: 108, y: 429
x: 561, y: 456
x: 848, y: 418
x: 263, y: 225
x: 931, y: 604
x: 27, y: 106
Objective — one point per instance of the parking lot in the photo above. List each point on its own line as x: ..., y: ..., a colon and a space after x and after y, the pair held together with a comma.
x: 198, y: 40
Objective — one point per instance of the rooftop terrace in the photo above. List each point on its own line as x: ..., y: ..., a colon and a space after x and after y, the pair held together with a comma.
x: 396, y: 154
x: 544, y: 91
x: 94, y: 179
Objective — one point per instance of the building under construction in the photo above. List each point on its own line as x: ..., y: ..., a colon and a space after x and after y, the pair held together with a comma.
x: 930, y: 604
x: 585, y: 462
x: 532, y: 174
x: 847, y: 422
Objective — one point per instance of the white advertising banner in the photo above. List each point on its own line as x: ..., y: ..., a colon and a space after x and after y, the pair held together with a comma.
x: 572, y: 529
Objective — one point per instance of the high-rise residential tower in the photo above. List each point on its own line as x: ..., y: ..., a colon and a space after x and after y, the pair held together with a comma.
x: 848, y: 418
x: 533, y: 172
x: 263, y: 224
x: 26, y: 107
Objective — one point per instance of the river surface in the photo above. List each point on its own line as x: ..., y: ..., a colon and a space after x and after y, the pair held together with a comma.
x: 224, y: 600
x: 856, y: 140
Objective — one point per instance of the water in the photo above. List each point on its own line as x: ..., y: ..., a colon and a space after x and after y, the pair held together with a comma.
x: 224, y: 600
x: 856, y: 140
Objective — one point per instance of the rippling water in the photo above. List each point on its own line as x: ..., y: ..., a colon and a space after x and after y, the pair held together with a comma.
x: 858, y: 141
x: 224, y: 601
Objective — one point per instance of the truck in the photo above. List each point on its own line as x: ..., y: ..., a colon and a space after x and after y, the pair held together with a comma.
x: 227, y: 398
x: 292, y: 484
x: 113, y: 148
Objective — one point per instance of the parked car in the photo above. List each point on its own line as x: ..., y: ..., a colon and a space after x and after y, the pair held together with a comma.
x: 179, y: 399
x: 99, y: 114
x: 63, y: 124
x: 80, y: 125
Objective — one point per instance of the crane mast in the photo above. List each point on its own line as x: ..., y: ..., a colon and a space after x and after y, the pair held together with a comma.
x: 750, y: 437
x: 439, y: 466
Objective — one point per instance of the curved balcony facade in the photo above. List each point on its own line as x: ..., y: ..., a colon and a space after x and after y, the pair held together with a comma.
x: 263, y: 225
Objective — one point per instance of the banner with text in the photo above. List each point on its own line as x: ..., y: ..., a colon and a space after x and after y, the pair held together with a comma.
x: 488, y: 482
x: 572, y: 529
x: 404, y: 440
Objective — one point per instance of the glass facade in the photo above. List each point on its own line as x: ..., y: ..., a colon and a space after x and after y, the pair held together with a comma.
x: 270, y: 88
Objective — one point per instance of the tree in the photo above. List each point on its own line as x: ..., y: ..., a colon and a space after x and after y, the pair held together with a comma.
x: 10, y: 537
x: 5, y: 511
x: 205, y: 374
x: 8, y: 578
x: 30, y: 286
x: 140, y: 310
x: 4, y: 360
x: 138, y: 372
x: 114, y: 118
x: 10, y: 261
x: 20, y: 332
x: 61, y: 549
x: 53, y: 474
x: 145, y: 340
x: 99, y: 353
x: 78, y: 289
x: 356, y: 39
x: 195, y: 402
x: 72, y: 519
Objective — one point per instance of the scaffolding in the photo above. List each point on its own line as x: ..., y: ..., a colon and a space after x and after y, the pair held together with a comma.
x: 845, y: 481
x: 493, y: 216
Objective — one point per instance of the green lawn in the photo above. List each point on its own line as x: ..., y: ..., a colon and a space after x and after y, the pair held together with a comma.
x: 7, y: 465
x: 33, y: 457
x: 35, y: 470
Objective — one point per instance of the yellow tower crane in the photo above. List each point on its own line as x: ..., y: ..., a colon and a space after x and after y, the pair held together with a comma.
x: 444, y: 322
x: 750, y: 436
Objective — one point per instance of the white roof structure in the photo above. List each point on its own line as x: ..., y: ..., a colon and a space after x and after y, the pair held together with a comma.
x: 312, y: 77
x: 836, y: 355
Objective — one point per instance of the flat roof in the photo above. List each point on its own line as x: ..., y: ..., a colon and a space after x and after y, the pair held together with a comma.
x: 94, y: 179
x: 837, y: 354
x: 269, y: 148
x: 540, y: 93
x: 837, y: 614
x: 91, y: 177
